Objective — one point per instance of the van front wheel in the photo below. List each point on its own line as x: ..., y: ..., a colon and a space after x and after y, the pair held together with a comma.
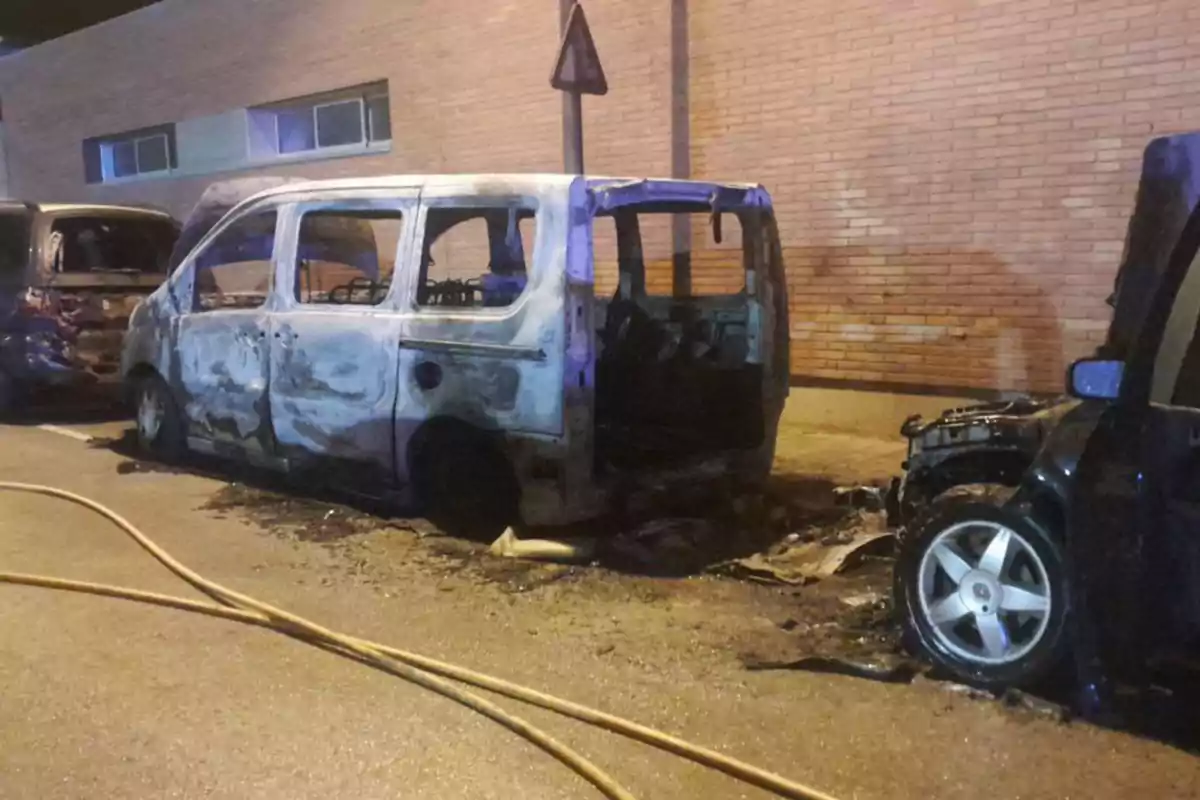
x: 159, y: 426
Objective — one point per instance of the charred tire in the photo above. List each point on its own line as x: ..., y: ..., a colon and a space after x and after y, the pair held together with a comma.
x: 981, y: 590
x: 159, y: 424
x: 463, y: 482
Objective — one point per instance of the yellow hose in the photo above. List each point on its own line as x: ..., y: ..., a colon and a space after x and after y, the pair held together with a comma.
x: 415, y: 668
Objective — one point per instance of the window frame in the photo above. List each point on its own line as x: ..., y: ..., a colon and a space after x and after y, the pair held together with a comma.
x: 362, y: 123
x: 368, y: 124
x: 54, y: 224
x: 187, y: 274
x: 309, y: 106
x: 396, y: 203
x: 108, y: 168
x: 465, y: 199
x: 275, y: 117
x: 137, y: 145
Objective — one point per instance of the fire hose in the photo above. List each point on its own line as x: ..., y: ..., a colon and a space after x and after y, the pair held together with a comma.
x: 425, y: 672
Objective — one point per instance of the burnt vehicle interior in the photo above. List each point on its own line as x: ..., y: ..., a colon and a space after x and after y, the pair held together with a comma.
x: 111, y: 244
x: 675, y: 373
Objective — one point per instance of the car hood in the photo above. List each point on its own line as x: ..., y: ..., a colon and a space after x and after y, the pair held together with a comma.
x: 1040, y: 411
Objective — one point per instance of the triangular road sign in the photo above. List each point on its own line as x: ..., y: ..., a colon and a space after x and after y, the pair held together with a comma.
x: 578, y: 66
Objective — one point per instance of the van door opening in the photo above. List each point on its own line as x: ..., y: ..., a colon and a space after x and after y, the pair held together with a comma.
x: 684, y: 362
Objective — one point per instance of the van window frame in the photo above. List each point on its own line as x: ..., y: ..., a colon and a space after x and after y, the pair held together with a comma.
x: 403, y: 201
x: 469, y: 199
x: 181, y: 284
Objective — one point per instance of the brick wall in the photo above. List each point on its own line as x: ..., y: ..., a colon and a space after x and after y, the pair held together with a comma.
x: 952, y: 176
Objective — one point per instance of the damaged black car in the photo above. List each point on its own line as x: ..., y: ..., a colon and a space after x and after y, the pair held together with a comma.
x: 1034, y: 531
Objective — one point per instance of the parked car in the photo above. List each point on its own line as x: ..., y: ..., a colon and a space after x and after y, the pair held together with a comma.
x: 70, y: 275
x: 1019, y: 544
x: 504, y: 347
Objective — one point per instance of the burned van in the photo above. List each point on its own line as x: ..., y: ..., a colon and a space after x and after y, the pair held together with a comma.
x: 505, y: 347
x: 70, y: 276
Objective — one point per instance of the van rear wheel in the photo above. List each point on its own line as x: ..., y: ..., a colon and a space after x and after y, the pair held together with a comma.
x: 464, y: 484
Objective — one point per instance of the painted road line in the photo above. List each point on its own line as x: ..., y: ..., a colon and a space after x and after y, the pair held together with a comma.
x: 70, y: 434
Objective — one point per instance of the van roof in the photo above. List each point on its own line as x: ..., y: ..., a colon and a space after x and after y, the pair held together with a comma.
x: 512, y: 182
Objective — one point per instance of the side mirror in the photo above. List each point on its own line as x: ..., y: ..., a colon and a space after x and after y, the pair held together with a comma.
x: 1096, y: 379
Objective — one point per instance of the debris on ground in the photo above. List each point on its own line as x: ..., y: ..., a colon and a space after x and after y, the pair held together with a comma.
x: 668, y: 546
x: 862, y: 599
x: 563, y: 550
x: 886, y: 668
x: 758, y: 568
x: 862, y: 498
x: 1013, y: 699
x: 815, y: 554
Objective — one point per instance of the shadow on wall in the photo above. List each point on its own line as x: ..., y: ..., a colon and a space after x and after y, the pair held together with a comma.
x: 922, y: 316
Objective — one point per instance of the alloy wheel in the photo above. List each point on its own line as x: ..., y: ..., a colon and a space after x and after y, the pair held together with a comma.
x: 151, y: 410
x: 984, y: 592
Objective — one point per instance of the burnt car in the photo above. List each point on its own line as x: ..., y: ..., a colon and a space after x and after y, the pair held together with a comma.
x: 70, y: 276
x: 502, y: 347
x: 989, y: 443
x: 992, y: 561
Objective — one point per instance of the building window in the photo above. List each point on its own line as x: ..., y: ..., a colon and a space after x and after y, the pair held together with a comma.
x: 149, y: 151
x: 379, y: 118
x: 343, y: 120
x: 340, y: 123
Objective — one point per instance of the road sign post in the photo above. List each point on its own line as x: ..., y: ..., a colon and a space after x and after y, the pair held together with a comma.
x: 577, y: 71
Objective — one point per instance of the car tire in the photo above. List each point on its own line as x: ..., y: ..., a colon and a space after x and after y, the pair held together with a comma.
x: 158, y: 423
x: 982, y: 591
x: 463, y: 484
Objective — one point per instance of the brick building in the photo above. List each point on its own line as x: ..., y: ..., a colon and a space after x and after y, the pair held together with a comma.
x: 952, y: 176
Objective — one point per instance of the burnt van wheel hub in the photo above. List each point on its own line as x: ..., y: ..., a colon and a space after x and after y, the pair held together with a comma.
x: 150, y: 412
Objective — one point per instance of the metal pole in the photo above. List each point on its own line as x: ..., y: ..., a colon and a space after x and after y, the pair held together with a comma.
x: 573, y: 134
x: 572, y: 114
x: 681, y: 145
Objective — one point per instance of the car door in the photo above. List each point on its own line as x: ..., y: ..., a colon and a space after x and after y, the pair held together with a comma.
x: 335, y: 331
x: 222, y: 366
x: 484, y: 333
x: 1134, y: 512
